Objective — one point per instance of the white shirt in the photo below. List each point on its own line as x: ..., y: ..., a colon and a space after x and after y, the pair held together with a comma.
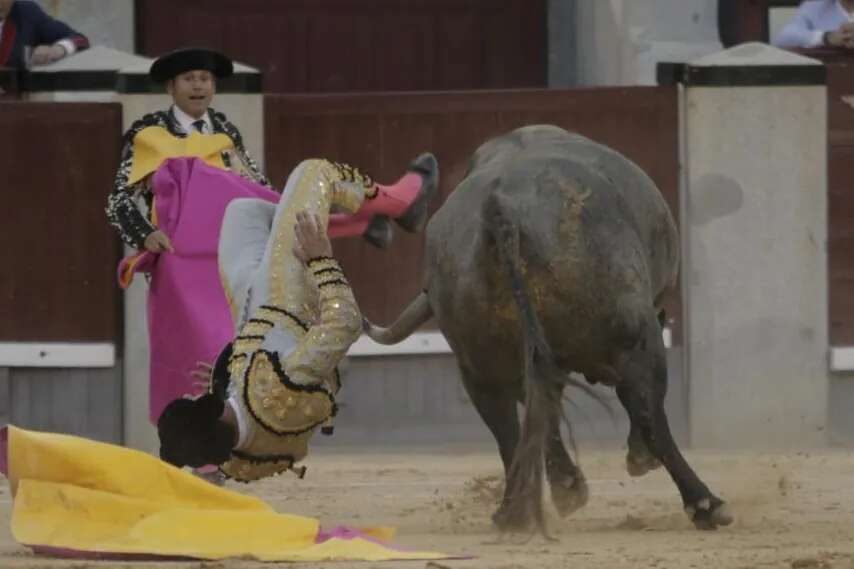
x: 185, y: 121
x: 813, y: 19
x: 244, y: 430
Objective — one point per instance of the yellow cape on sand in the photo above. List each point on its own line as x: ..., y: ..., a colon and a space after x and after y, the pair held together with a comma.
x: 76, y: 494
x: 154, y: 144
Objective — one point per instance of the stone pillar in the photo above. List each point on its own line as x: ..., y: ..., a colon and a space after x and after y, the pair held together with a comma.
x: 240, y: 98
x: 755, y: 260
x: 619, y: 42
x: 108, y: 23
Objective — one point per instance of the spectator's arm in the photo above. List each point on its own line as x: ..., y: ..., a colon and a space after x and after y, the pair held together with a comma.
x: 51, y: 31
x: 799, y: 32
x: 340, y: 324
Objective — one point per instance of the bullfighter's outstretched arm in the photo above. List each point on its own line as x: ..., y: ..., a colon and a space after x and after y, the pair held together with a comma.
x: 324, y: 344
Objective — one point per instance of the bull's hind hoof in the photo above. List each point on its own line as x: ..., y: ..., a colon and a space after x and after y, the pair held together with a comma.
x: 640, y: 465
x: 709, y: 514
x: 570, y: 494
x: 415, y: 217
x: 510, y: 520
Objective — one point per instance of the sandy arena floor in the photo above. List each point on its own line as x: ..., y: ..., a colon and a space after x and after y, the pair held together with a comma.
x: 793, y: 510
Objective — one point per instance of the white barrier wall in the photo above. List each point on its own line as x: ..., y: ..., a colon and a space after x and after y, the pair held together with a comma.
x: 105, y: 22
x: 755, y: 260
x: 619, y: 42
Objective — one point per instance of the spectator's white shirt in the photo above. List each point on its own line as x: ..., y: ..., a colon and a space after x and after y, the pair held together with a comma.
x: 813, y: 19
x: 69, y: 46
x: 185, y: 121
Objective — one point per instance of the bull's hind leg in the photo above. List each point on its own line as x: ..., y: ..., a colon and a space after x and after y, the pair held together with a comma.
x: 643, y: 385
x: 639, y: 459
x: 568, y: 486
x: 496, y: 405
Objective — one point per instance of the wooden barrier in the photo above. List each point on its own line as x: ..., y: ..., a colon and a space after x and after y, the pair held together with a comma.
x: 58, y: 256
x: 361, y: 45
x: 382, y: 132
x: 840, y: 91
x: 840, y: 191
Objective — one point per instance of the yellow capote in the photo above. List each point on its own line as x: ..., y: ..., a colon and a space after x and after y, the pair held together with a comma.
x: 73, y: 493
x: 154, y: 144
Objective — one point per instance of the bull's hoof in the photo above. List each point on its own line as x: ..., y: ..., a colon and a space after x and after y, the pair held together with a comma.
x: 569, y: 494
x: 509, y: 519
x: 709, y: 514
x: 415, y: 217
x: 640, y: 464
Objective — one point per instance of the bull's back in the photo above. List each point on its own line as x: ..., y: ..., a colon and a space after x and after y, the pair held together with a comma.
x: 597, y: 242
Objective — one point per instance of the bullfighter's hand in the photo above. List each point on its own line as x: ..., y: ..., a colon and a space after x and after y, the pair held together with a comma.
x: 311, y: 238
x: 157, y: 242
x: 204, y: 374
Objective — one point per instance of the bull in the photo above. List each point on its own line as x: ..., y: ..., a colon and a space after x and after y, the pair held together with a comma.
x: 552, y: 256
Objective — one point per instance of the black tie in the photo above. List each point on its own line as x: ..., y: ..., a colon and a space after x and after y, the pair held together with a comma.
x: 199, y: 125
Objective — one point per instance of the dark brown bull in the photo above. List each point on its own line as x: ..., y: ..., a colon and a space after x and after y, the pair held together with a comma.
x: 551, y: 257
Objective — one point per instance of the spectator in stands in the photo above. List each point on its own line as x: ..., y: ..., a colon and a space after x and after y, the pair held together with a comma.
x: 820, y: 23
x: 28, y: 36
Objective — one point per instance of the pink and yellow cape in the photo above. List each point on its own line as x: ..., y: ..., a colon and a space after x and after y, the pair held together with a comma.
x: 189, y: 319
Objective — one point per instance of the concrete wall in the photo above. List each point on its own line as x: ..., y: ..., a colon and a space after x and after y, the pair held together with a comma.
x: 104, y: 22
x: 755, y: 259
x: 76, y: 401
x: 840, y: 417
x: 397, y: 400
x: 619, y: 42
x: 563, y: 43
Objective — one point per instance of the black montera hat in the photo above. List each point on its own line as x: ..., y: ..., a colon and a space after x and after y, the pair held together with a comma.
x: 179, y: 61
x: 191, y: 434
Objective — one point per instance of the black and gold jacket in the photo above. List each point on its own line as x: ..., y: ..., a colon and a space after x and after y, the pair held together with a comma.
x: 124, y: 214
x: 289, y: 395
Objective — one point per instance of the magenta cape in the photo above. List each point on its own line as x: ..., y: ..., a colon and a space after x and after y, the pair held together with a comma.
x: 189, y: 319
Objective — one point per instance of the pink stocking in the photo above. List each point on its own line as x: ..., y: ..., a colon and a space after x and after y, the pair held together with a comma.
x: 391, y: 201
x: 343, y: 225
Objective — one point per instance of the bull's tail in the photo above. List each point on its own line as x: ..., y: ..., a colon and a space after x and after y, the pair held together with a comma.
x: 543, y: 382
x: 413, y: 316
